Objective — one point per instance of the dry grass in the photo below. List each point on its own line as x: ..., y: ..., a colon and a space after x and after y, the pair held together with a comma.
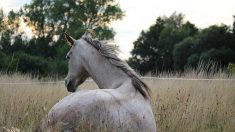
x: 179, y: 105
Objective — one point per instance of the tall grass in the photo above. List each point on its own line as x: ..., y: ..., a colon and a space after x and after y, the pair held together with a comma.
x: 178, y: 105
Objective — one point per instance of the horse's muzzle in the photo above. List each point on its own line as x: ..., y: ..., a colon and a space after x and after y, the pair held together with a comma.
x: 70, y: 86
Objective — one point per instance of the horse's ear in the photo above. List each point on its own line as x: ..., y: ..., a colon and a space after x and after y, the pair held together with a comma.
x: 70, y: 39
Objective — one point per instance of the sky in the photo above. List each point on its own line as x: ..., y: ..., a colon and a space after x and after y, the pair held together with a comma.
x: 141, y: 14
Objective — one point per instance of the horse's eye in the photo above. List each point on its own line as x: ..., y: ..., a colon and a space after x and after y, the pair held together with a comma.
x: 67, y: 57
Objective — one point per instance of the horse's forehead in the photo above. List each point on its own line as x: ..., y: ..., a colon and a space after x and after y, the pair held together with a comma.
x: 79, y: 43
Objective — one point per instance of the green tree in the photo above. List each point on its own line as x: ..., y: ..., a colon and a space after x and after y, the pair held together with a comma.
x: 215, y: 43
x: 50, y: 18
x: 45, y: 52
x: 146, y: 55
x: 1, y: 20
x: 233, y: 32
x: 153, y: 50
x: 173, y: 45
x: 11, y: 36
x: 182, y: 51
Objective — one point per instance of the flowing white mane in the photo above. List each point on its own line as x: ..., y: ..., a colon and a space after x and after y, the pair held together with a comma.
x: 110, y: 53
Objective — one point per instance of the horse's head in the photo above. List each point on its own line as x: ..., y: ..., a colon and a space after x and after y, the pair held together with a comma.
x: 76, y: 71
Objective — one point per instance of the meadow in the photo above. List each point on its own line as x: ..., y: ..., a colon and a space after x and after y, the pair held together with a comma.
x: 178, y: 104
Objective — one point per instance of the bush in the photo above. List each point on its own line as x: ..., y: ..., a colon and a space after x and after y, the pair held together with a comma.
x: 31, y: 64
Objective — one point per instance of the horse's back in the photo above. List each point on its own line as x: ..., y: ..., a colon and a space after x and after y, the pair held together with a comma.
x: 100, y: 110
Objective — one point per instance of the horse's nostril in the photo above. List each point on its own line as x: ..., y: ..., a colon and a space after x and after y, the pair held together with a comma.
x: 69, y: 86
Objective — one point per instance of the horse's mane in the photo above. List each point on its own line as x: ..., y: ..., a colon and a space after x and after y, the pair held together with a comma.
x: 110, y: 53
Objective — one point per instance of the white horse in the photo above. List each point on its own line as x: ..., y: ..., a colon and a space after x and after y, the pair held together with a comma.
x: 122, y: 104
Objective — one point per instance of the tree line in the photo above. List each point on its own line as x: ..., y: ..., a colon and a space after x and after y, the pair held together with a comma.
x: 172, y: 44
x: 44, y: 53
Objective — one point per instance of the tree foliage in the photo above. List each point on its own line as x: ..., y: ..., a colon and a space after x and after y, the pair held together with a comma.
x: 53, y: 17
x: 172, y: 44
x: 44, y: 53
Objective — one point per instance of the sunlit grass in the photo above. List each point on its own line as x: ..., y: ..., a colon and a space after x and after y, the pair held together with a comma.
x: 178, y: 105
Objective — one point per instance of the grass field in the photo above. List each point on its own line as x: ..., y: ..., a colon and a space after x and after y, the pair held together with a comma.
x: 178, y: 105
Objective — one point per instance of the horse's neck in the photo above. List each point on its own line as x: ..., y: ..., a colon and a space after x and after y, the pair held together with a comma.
x: 103, y: 72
